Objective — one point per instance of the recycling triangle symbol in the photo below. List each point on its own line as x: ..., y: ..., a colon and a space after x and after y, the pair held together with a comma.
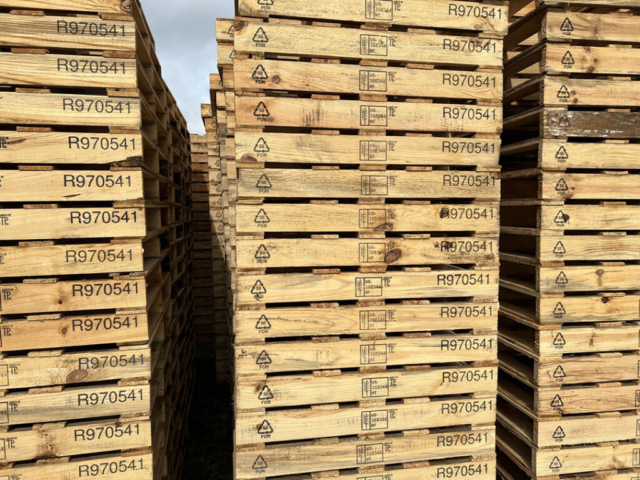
x: 564, y: 122
x: 559, y: 217
x: 566, y: 26
x: 559, y: 340
x: 562, y: 279
x: 258, y: 288
x: 263, y: 182
x: 559, y: 433
x: 260, y: 463
x: 265, y: 393
x: 261, y: 146
x: 562, y: 154
x: 563, y: 92
x: 261, y: 110
x: 559, y: 310
x: 262, y: 253
x: 559, y: 373
x: 559, y: 248
x: 232, y: 55
x: 260, y: 36
x: 568, y: 59
x: 265, y: 2
x: 261, y: 325
x: 555, y: 464
x: 230, y: 31
x: 562, y: 186
x: 263, y: 358
x: 262, y: 217
x: 259, y: 73
x: 557, y: 402
x: 265, y: 428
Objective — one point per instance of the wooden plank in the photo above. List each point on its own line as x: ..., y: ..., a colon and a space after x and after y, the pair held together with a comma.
x: 352, y: 251
x: 80, y: 330
x: 309, y: 355
x: 561, y: 155
x: 307, y: 287
x: 590, y: 217
x: 562, y: 59
x: 86, y: 33
x: 313, y: 41
x: 58, y: 439
x: 432, y: 13
x: 611, y: 125
x: 69, y: 148
x: 224, y: 30
x: 348, y: 149
x: 592, y: 26
x: 67, y: 71
x: 75, y: 403
x: 339, y: 78
x: 73, y: 295
x: 590, y: 92
x: 585, y: 429
x: 584, y: 369
x: 226, y: 54
x: 116, y: 467
x: 352, y: 452
x: 104, y: 6
x: 588, y: 247
x: 56, y: 368
x: 292, y: 390
x: 561, y: 186
x: 36, y: 224
x: 365, y: 218
x: 284, y: 425
x: 588, y: 309
x: 70, y: 109
x: 72, y: 185
x: 598, y: 3
x: 32, y: 260
x: 587, y: 458
x: 348, y: 114
x: 356, y: 184
x: 587, y: 278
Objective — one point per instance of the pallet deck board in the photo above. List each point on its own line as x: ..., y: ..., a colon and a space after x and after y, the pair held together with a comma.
x: 347, y: 149
x: 365, y: 218
x: 292, y: 356
x: 305, y: 287
x: 348, y: 114
x: 353, y: 43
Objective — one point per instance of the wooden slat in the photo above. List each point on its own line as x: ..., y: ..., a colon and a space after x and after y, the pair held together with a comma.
x: 68, y: 71
x: 590, y: 217
x: 308, y: 355
x: 354, y: 43
x: 70, y: 109
x: 103, y: 6
x: 69, y: 148
x: 279, y: 288
x: 430, y: 13
x: 337, y: 78
x: 284, y: 425
x: 86, y: 33
x: 355, y: 184
x: 74, y: 439
x: 351, y: 453
x: 588, y: 309
x: 592, y: 60
x: 592, y: 26
x: 76, y: 185
x: 585, y: 429
x: 365, y: 218
x: 612, y: 125
x: 587, y: 278
x: 589, y: 247
x: 37, y: 224
x: 351, y: 251
x: 591, y: 458
x: 347, y: 114
x: 590, y: 92
x: 346, y: 149
x: 557, y: 186
x: 561, y: 155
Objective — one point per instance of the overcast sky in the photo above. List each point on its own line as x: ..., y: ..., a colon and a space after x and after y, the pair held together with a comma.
x: 185, y: 36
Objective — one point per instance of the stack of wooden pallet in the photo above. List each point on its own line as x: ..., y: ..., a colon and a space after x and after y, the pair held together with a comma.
x: 363, y: 232
x: 570, y: 284
x: 95, y: 282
